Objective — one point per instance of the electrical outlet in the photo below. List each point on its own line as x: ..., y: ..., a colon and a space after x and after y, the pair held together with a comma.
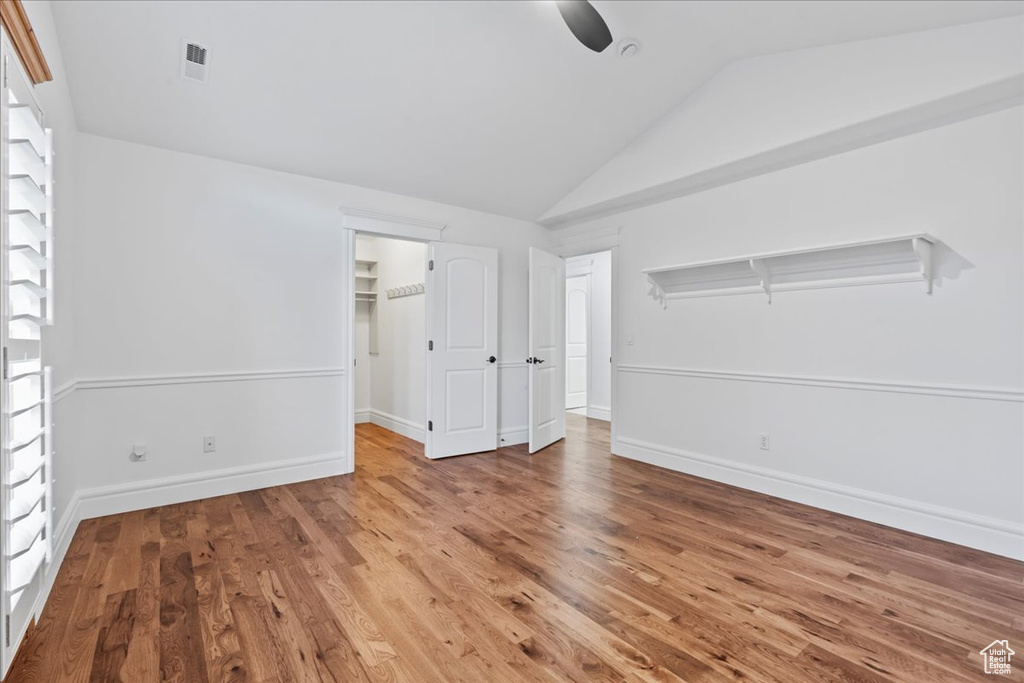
x: 209, y: 444
x: 766, y: 444
x: 138, y: 453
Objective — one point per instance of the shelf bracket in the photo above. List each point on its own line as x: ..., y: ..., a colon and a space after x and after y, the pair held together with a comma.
x: 923, y: 251
x: 763, y: 272
x: 657, y: 293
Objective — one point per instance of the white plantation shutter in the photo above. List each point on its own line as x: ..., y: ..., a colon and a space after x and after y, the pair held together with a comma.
x: 27, y: 307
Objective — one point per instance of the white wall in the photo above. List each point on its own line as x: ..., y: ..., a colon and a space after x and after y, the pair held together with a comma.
x: 876, y: 398
x: 399, y: 369
x: 208, y: 301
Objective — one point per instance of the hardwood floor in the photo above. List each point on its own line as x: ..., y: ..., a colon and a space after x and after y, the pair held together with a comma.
x: 569, y: 564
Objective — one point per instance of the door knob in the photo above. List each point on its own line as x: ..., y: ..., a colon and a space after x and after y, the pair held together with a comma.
x: 492, y: 359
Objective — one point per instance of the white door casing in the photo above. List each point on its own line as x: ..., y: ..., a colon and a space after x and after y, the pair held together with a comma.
x: 546, y: 348
x: 577, y: 328
x: 462, y: 333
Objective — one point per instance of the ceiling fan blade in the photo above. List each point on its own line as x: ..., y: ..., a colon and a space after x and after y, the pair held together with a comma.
x: 585, y: 23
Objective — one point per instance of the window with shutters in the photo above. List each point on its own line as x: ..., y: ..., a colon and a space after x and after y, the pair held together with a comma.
x: 26, y: 292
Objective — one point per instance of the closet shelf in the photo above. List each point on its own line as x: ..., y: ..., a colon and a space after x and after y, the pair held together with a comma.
x: 895, y: 259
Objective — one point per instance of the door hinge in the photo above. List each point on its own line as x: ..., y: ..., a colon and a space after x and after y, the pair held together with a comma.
x: 354, y: 361
x: 430, y: 264
x: 430, y: 425
x: 430, y: 347
x: 5, y: 362
x: 7, y: 629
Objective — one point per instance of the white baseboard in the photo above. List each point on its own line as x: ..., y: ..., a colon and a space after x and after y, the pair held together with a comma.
x: 110, y: 500
x: 398, y: 425
x: 599, y: 413
x: 963, y: 528
x: 362, y: 416
x: 62, y: 537
x: 513, y: 436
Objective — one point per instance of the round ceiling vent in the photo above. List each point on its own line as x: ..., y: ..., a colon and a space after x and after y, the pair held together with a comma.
x: 628, y: 47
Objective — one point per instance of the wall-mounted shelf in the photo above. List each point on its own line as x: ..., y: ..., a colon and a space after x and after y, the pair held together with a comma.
x: 896, y: 259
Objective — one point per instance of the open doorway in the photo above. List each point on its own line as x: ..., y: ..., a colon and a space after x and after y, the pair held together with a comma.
x: 422, y: 344
x: 390, y: 370
x: 588, y: 335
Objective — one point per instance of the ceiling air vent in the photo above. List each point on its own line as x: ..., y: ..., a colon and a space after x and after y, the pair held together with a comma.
x: 195, y: 62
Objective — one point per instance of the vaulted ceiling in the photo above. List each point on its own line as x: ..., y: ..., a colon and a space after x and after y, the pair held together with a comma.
x: 488, y: 105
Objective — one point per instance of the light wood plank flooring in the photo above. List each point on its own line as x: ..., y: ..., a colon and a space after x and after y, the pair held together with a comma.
x: 566, y: 565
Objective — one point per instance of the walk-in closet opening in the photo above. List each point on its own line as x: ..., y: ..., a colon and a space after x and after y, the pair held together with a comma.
x: 390, y: 336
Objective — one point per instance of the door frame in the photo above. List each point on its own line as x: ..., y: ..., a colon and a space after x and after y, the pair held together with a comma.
x: 588, y: 273
x: 377, y: 225
x: 593, y: 243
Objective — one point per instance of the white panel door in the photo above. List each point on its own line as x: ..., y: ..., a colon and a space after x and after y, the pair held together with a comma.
x: 577, y: 320
x: 547, y: 349
x: 462, y: 333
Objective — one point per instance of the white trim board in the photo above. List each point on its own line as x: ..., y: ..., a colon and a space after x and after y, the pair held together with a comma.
x: 202, y: 378
x: 975, y: 531
x: 139, y: 495
x: 513, y: 436
x: 570, y: 242
x: 398, y: 425
x: 372, y: 223
x: 599, y: 413
x: 64, y: 390
x: 949, y: 391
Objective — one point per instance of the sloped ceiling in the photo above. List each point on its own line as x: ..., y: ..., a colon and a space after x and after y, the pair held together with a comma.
x: 762, y: 114
x: 486, y: 105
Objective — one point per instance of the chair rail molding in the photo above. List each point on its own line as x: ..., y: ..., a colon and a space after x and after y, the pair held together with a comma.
x: 983, y: 393
x: 202, y: 378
